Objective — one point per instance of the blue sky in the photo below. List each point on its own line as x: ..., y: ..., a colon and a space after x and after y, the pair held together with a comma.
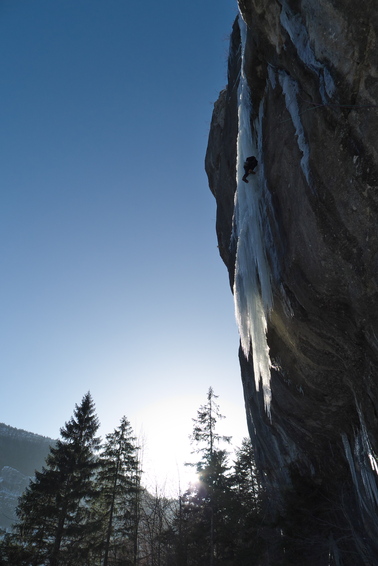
x: 111, y: 279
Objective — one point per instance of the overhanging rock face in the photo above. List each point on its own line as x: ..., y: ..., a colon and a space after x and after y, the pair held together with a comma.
x: 300, y: 244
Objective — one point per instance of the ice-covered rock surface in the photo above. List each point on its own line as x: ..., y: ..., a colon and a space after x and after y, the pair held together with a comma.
x: 300, y: 244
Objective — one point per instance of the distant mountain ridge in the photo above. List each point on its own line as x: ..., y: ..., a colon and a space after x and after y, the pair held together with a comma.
x: 21, y: 453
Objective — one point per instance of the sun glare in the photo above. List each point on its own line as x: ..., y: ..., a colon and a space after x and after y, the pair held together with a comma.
x: 191, y: 477
x: 166, y: 426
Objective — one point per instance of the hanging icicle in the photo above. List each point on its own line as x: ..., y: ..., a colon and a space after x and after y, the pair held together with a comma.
x: 252, y: 287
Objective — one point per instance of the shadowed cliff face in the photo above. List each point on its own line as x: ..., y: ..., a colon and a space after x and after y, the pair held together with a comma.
x: 311, y: 67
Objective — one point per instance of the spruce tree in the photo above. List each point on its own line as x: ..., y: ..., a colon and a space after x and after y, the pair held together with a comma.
x: 53, y: 513
x: 246, y: 477
x: 247, y: 519
x: 204, y: 430
x: 205, y: 505
x: 118, y: 482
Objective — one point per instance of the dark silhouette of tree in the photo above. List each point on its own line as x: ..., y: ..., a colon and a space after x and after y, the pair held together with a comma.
x: 245, y: 475
x: 204, y: 434
x: 53, y: 513
x: 118, y: 483
x: 204, y: 505
x: 217, y: 519
x: 86, y: 510
x: 246, y: 507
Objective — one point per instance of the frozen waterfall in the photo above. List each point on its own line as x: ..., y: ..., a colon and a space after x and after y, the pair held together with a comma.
x: 252, y: 287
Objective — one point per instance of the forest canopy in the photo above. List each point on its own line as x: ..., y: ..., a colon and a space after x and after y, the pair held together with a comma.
x: 87, y: 505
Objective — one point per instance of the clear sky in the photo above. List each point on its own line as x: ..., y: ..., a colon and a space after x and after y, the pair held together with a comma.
x: 110, y: 275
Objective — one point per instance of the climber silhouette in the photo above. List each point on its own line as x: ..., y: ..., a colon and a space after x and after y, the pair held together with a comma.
x: 249, y: 164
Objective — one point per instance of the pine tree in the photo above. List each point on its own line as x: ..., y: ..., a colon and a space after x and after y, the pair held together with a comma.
x: 205, y: 504
x: 246, y: 510
x: 118, y: 482
x: 53, y: 513
x: 204, y: 432
x: 246, y: 476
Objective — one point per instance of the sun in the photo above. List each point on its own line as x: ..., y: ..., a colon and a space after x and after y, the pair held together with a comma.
x: 166, y: 426
x: 191, y: 478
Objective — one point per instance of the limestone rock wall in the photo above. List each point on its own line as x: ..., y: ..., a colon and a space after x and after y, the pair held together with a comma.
x: 312, y: 64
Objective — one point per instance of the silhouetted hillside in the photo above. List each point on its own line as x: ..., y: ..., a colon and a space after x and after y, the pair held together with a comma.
x: 22, y: 450
x: 21, y: 453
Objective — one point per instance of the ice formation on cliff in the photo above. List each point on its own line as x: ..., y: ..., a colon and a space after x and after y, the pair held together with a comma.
x: 298, y: 33
x: 252, y: 288
x: 290, y: 90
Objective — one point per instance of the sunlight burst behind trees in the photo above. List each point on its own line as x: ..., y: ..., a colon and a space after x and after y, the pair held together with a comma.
x: 87, y: 506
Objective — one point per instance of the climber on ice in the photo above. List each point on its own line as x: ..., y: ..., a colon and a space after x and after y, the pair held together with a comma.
x: 249, y: 164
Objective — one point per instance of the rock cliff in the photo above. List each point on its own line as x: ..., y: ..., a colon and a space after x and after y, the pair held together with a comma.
x: 303, y: 232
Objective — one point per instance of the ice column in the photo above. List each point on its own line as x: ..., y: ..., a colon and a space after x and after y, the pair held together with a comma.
x: 252, y: 287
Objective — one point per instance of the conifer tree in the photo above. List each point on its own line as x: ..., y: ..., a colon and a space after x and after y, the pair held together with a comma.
x: 118, y: 482
x: 53, y: 513
x: 246, y: 510
x: 245, y: 475
x: 205, y: 504
x: 204, y: 429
